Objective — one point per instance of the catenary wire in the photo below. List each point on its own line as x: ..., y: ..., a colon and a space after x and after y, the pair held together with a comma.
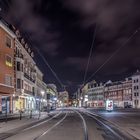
x: 114, y: 53
x: 90, y: 54
x: 45, y: 61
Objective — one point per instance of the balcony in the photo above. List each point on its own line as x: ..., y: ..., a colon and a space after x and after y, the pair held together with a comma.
x: 29, y: 92
x: 19, y: 56
x: 29, y: 78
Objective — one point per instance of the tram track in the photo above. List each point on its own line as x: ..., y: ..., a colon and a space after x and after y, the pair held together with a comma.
x: 84, y: 125
x: 22, y: 129
x: 51, y: 128
x: 72, y: 124
x: 107, y: 126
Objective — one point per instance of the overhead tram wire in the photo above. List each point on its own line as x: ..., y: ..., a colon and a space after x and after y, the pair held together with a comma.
x: 108, y: 59
x: 90, y: 54
x: 45, y: 61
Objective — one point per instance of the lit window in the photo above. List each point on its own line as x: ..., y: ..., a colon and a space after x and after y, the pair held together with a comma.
x: 8, y: 61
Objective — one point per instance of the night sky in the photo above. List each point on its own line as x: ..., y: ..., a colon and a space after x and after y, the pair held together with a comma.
x: 63, y: 31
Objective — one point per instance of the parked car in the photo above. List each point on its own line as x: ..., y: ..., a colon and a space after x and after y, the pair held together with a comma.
x: 128, y: 106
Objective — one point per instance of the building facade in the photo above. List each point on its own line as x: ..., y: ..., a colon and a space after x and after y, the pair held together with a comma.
x: 6, y: 68
x: 52, y: 95
x: 63, y: 98
x: 25, y: 77
x: 136, y: 89
x: 120, y: 92
x: 95, y: 95
x: 40, y: 90
x: 21, y: 81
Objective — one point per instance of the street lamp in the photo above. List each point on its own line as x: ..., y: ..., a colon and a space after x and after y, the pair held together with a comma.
x: 40, y: 104
x: 55, y: 100
x: 13, y: 103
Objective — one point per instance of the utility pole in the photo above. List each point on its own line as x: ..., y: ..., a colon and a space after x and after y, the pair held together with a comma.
x: 48, y: 103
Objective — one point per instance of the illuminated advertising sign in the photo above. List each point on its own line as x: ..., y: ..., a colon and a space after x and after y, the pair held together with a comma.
x: 109, y: 105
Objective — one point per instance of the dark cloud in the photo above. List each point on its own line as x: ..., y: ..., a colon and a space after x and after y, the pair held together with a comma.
x: 63, y: 31
x: 23, y: 14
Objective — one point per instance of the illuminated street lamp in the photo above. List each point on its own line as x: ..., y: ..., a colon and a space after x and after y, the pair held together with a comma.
x: 55, y: 99
x: 42, y: 93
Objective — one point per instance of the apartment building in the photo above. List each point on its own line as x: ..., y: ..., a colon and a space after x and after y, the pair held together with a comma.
x: 63, y: 98
x: 136, y: 89
x: 120, y: 92
x: 7, y: 38
x: 21, y: 81
x: 95, y: 94
x: 41, y: 90
x: 18, y: 84
x: 25, y: 76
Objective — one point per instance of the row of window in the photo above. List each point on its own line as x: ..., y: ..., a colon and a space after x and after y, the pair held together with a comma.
x: 136, y: 94
x: 22, y: 85
x: 136, y: 81
x: 136, y: 87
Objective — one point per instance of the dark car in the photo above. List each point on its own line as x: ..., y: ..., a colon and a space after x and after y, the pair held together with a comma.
x: 128, y: 106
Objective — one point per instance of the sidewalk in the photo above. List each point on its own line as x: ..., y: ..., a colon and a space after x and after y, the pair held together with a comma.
x: 13, y: 124
x: 17, y: 115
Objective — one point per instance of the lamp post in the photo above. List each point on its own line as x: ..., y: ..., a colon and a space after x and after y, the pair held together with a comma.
x: 13, y: 104
x: 31, y: 108
x: 42, y: 95
x: 48, y: 104
x: 55, y: 100
x: 20, y: 110
x: 40, y: 104
x: 6, y: 109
